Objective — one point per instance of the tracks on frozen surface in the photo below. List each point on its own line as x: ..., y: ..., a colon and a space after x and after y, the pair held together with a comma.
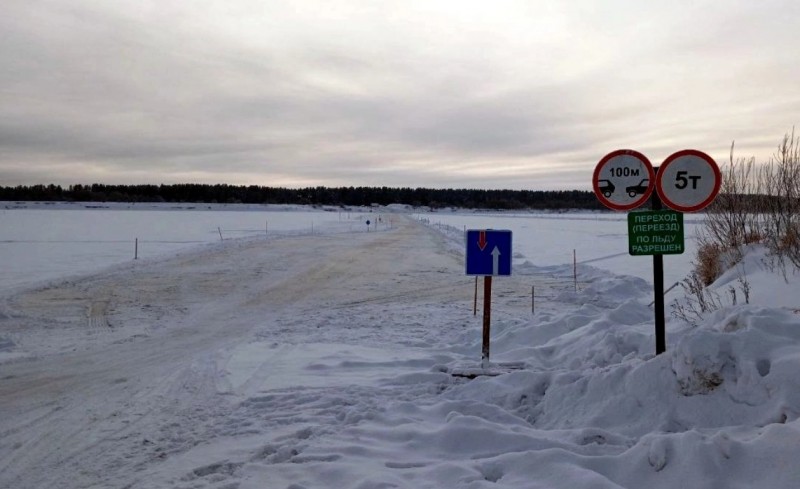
x: 97, y: 314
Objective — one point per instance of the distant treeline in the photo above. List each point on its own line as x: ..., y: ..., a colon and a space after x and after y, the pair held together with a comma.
x: 336, y: 196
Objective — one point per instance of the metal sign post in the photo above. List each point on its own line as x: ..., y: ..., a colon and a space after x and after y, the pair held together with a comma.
x: 658, y: 289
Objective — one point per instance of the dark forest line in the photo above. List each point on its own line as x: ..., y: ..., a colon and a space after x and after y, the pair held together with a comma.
x: 335, y: 196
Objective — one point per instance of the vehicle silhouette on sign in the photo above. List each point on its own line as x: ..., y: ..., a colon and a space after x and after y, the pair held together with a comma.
x: 638, y: 189
x: 606, y: 187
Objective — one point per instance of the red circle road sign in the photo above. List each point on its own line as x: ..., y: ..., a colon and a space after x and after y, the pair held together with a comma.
x: 688, y: 180
x: 623, y: 179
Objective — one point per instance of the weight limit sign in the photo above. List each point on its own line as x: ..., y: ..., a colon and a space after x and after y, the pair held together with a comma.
x: 688, y: 180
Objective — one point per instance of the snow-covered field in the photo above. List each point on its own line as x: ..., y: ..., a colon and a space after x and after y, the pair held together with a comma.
x: 324, y: 360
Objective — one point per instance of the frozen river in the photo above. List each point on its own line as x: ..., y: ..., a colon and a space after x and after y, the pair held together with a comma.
x: 597, y: 239
x: 38, y: 243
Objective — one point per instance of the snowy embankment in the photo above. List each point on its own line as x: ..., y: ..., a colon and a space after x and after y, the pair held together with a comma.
x: 322, y: 361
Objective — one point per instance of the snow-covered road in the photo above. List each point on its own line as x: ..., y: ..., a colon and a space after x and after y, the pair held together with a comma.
x: 125, y: 369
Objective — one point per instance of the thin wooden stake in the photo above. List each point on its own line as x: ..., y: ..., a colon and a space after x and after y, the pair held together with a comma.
x: 533, y: 304
x: 136, y: 250
x: 475, y: 300
x: 575, y: 268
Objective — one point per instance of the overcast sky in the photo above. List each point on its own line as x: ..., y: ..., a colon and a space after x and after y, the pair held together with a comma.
x: 478, y: 94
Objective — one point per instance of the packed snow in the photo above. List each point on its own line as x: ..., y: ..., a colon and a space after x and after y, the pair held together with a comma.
x: 334, y: 359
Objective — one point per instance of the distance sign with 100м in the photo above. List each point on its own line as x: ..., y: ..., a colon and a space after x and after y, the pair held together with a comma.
x: 623, y: 179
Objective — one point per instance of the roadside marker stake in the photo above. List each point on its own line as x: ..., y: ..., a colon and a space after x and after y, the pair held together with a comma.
x: 575, y: 269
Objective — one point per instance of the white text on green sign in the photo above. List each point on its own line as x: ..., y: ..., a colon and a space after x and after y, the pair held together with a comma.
x: 655, y: 233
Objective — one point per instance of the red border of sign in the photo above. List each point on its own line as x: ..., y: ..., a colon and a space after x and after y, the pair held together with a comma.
x: 596, y: 180
x: 675, y: 156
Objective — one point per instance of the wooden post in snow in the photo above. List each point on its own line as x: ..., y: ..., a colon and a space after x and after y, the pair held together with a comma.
x: 475, y: 299
x: 533, y: 304
x: 487, y: 320
x: 575, y: 268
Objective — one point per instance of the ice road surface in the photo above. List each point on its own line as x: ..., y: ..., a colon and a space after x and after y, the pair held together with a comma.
x: 325, y: 361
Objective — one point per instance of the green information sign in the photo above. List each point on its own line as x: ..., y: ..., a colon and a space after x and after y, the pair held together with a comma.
x: 655, y: 233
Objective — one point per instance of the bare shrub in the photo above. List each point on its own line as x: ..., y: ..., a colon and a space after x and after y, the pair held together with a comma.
x: 756, y: 204
x: 780, y: 179
x: 707, y: 264
x: 789, y: 241
x: 753, y: 236
x: 730, y: 224
x: 698, y: 301
x: 732, y: 220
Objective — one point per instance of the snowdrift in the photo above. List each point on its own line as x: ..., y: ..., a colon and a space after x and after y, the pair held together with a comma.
x: 592, y: 407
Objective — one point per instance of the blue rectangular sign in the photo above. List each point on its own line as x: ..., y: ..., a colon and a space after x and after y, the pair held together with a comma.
x: 488, y: 252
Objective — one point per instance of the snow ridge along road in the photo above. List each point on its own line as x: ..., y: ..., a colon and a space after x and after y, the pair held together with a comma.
x: 124, y: 370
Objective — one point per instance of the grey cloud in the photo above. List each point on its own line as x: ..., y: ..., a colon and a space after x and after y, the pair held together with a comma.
x: 131, y: 100
x: 84, y: 86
